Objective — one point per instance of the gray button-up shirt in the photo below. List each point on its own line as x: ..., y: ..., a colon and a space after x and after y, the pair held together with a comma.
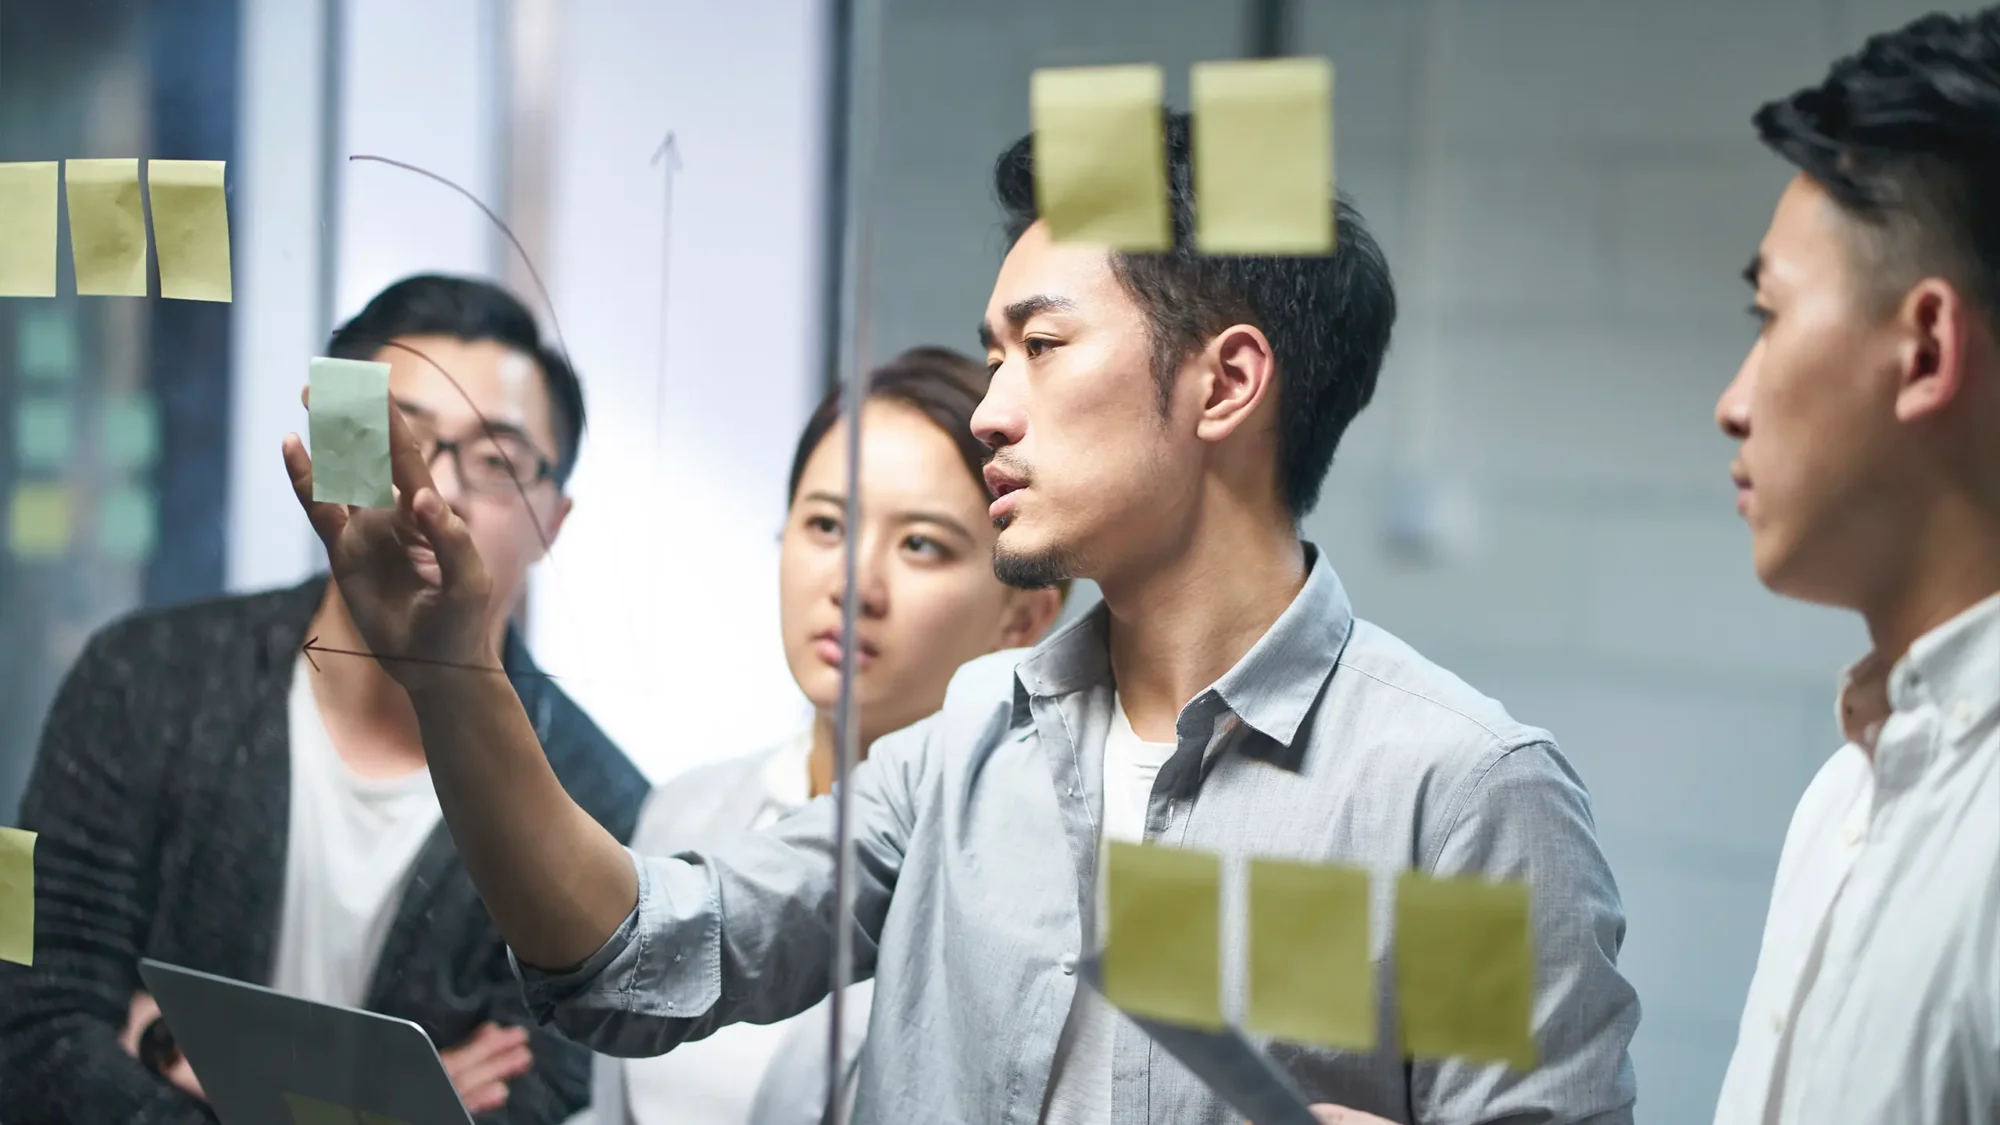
x: 976, y: 834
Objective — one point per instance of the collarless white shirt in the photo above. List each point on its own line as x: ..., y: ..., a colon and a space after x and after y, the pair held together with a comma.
x: 1877, y: 993
x: 349, y: 847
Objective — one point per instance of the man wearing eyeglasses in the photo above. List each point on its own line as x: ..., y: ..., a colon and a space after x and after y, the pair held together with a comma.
x: 212, y: 791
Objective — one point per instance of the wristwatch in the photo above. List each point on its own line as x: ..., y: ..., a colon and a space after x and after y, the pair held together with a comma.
x: 157, y: 1051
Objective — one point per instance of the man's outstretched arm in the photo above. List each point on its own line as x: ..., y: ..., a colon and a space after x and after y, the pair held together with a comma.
x: 556, y: 883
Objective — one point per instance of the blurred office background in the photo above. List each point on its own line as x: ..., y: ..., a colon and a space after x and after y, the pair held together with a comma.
x: 1537, y: 499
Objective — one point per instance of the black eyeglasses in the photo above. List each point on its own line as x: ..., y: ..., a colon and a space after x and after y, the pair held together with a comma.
x: 491, y: 462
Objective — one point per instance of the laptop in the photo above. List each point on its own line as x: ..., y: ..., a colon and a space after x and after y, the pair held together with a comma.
x: 265, y: 1058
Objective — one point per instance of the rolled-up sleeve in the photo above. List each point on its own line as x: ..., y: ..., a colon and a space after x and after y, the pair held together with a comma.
x: 1527, y: 817
x: 743, y: 931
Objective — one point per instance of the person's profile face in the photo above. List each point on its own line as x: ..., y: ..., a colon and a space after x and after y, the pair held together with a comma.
x: 1084, y: 464
x: 509, y: 505
x: 928, y: 598
x: 1813, y: 404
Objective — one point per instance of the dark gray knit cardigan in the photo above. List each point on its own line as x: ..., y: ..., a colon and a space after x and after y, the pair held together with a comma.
x: 161, y: 796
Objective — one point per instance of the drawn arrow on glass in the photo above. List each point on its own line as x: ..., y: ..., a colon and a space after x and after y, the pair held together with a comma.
x: 312, y: 645
x: 669, y: 156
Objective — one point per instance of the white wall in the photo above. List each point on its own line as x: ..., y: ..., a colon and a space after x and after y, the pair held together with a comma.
x: 423, y: 84
x: 277, y: 319
x: 659, y: 606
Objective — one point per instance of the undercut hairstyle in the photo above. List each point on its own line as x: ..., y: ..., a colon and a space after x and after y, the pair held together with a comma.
x: 1904, y: 135
x: 1328, y: 317
x: 471, y: 312
x: 942, y: 385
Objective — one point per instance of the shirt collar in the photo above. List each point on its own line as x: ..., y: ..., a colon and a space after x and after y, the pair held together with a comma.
x: 1271, y: 689
x: 1954, y: 668
x: 787, y: 773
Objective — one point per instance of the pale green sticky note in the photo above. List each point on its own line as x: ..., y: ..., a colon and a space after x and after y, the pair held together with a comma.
x: 44, y: 433
x: 17, y: 896
x: 129, y: 432
x: 312, y: 1111
x: 45, y: 346
x: 28, y: 229
x: 128, y: 523
x: 190, y: 228
x: 1465, y: 970
x: 38, y: 521
x: 1263, y: 156
x: 107, y: 227
x: 1101, y: 155
x: 1163, y: 945
x: 378, y: 1119
x: 1311, y: 978
x: 349, y: 404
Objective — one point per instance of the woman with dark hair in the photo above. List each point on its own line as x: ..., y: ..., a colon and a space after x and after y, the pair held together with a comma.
x: 928, y: 602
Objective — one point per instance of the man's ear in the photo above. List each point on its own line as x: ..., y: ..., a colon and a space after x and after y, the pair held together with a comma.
x: 552, y: 527
x: 1935, y: 317
x: 1028, y: 615
x: 1241, y: 371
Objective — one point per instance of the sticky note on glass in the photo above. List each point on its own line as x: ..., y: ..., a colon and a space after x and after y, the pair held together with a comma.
x: 190, y: 228
x: 1465, y: 970
x: 1263, y: 156
x: 128, y: 523
x: 28, y: 229
x: 1311, y: 977
x: 1163, y: 947
x: 17, y: 896
x: 44, y: 433
x: 312, y: 1111
x: 107, y: 227
x: 45, y: 345
x: 378, y: 1119
x: 38, y: 521
x: 1101, y: 155
x: 349, y: 403
x: 129, y: 432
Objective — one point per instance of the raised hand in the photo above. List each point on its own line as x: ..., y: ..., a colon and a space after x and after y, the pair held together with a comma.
x: 410, y: 577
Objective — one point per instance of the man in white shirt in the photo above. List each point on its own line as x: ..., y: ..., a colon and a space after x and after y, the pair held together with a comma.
x: 1868, y: 413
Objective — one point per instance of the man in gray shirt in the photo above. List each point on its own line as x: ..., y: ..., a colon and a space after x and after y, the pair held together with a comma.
x: 1159, y: 423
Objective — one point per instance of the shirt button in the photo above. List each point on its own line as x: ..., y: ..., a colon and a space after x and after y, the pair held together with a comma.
x: 1853, y: 835
x: 1068, y: 967
x: 1777, y: 1023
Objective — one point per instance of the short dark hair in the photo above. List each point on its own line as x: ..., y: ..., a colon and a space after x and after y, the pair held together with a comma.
x: 1328, y: 317
x: 1904, y: 135
x: 942, y: 385
x: 472, y: 311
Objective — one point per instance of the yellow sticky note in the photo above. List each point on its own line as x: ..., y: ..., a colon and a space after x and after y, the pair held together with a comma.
x: 38, y: 521
x: 28, y: 229
x: 1163, y: 947
x: 1263, y: 156
x: 1311, y: 978
x: 312, y: 1111
x: 17, y: 896
x: 1465, y: 970
x: 378, y: 1119
x: 107, y: 227
x: 1101, y: 155
x: 190, y: 228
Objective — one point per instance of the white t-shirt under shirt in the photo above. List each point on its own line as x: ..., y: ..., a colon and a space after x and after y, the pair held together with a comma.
x: 1080, y: 1092
x: 348, y: 853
